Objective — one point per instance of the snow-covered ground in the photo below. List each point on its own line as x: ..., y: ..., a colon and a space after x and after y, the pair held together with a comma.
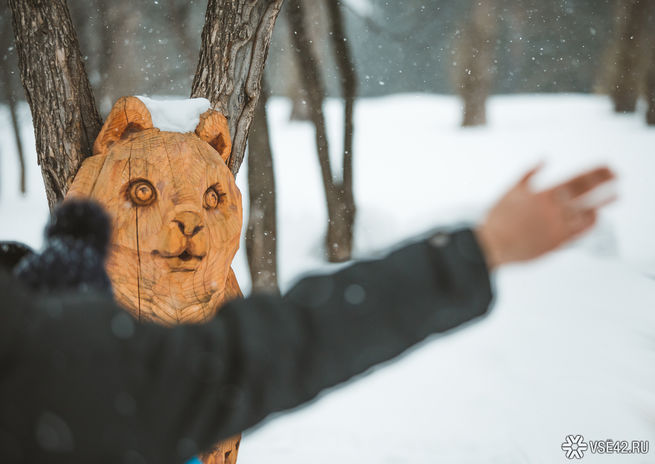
x: 569, y: 347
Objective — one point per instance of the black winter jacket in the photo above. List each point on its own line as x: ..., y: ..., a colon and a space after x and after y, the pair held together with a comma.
x: 81, y: 382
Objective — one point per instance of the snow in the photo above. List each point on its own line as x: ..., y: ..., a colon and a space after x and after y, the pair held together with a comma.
x: 570, y: 343
x: 565, y: 351
x: 175, y: 115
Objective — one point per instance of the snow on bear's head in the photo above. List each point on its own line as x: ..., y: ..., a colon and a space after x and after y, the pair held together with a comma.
x: 176, y: 212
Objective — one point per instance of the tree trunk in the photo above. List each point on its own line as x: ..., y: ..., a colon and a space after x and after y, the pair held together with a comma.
x: 632, y: 18
x: 10, y: 96
x: 11, y: 101
x: 66, y: 121
x: 348, y: 79
x: 234, y: 46
x: 475, y: 54
x: 315, y: 24
x: 299, y: 106
x: 261, y: 236
x: 650, y: 88
x: 106, y: 42
x: 339, y: 235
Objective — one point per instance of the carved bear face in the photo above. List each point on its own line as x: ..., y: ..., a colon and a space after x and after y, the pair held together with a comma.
x: 176, y: 213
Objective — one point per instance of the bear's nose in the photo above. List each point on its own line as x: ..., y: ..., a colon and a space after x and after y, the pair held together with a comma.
x: 189, y: 223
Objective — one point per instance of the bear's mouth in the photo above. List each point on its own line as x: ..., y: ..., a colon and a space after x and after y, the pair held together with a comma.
x: 185, y: 261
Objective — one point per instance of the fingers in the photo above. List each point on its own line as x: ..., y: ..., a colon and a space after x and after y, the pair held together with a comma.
x: 605, y: 201
x: 581, y: 222
x: 525, y: 179
x: 582, y: 183
x: 581, y: 197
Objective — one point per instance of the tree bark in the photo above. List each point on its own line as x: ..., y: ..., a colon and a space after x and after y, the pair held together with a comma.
x: 261, y: 236
x: 66, y: 121
x: 632, y: 17
x: 234, y: 46
x: 339, y: 235
x: 10, y: 96
x: 476, y: 52
x: 348, y: 80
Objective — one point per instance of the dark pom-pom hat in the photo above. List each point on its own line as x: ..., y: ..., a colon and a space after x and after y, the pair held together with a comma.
x: 76, y: 245
x: 11, y: 253
x: 81, y: 220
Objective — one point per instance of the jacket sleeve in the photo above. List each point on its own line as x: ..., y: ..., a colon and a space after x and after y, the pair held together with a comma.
x: 166, y: 393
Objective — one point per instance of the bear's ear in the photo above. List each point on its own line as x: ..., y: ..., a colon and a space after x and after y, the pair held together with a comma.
x: 128, y: 115
x: 214, y: 130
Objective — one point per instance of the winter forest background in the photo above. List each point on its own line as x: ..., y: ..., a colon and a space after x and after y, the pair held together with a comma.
x: 388, y: 85
x: 398, y: 46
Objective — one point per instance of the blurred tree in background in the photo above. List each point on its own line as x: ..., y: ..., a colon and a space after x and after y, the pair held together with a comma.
x: 338, y: 189
x: 10, y: 89
x: 149, y: 50
x: 261, y: 232
x: 475, y: 61
x: 399, y: 46
x: 650, y: 89
x: 631, y: 48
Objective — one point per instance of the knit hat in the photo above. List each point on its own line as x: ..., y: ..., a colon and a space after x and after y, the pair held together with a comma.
x: 76, y: 245
x: 11, y: 253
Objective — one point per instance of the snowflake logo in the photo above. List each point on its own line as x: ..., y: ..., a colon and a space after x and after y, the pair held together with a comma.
x: 574, y: 446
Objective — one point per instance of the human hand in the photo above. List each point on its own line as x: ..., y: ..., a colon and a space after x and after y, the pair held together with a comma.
x: 525, y: 224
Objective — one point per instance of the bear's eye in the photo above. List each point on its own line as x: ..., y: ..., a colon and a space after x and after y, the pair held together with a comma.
x: 142, y: 193
x: 213, y: 198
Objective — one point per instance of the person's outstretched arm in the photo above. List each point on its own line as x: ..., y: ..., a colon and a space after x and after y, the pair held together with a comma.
x: 82, y: 382
x: 85, y: 380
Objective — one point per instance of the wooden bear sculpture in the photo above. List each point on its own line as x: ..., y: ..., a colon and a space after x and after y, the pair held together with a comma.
x: 177, y: 218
